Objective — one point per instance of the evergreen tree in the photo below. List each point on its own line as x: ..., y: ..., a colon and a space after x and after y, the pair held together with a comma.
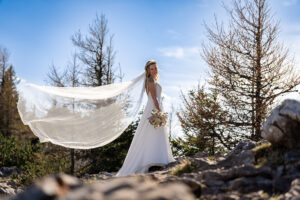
x: 10, y: 122
x: 203, y: 121
x: 8, y: 103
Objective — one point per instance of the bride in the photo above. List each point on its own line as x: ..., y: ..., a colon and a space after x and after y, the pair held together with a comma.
x: 90, y: 117
x: 150, y: 146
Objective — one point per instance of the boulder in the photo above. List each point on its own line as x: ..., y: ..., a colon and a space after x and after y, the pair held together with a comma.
x: 8, y: 171
x: 49, y: 187
x: 64, y: 187
x: 283, y: 125
x: 293, y: 193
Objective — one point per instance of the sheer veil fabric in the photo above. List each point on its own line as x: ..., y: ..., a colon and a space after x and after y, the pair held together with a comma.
x: 80, y: 117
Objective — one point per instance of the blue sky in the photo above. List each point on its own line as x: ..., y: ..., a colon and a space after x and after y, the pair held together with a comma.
x: 38, y: 33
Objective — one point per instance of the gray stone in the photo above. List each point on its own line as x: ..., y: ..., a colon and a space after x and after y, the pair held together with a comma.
x: 243, y: 146
x: 64, y: 187
x: 6, y: 189
x: 283, y: 125
x: 134, y: 187
x: 250, y: 184
x: 292, y: 157
x: 194, y: 185
x: 8, y: 171
x: 294, y: 192
x: 246, y: 171
x: 49, y: 187
x: 240, y: 155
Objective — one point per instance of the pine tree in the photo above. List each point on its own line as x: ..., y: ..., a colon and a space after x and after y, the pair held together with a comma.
x: 10, y: 122
x: 8, y: 103
x: 203, y: 121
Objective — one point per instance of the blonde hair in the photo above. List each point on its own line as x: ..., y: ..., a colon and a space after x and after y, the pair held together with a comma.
x: 147, y: 70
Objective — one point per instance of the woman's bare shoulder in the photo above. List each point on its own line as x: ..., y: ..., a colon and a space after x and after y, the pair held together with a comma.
x: 150, y: 80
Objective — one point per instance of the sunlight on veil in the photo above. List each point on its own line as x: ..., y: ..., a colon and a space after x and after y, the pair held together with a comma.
x: 80, y: 117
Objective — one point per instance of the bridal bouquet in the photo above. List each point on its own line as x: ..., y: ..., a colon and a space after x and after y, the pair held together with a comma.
x: 158, y: 118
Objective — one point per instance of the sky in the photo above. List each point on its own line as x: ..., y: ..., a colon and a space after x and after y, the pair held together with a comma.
x: 38, y: 33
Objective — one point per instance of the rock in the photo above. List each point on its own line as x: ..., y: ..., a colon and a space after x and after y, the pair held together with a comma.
x: 7, y: 189
x: 237, y: 175
x: 236, y: 178
x: 283, y: 125
x: 202, y: 163
x: 279, y: 184
x: 250, y: 184
x: 133, y: 187
x: 294, y: 192
x: 260, y: 195
x: 194, y: 185
x: 242, y: 154
x: 49, y: 187
x: 89, y: 178
x: 213, y: 174
x: 8, y: 171
x: 246, y: 171
x: 243, y: 146
x: 200, y: 155
x: 292, y: 157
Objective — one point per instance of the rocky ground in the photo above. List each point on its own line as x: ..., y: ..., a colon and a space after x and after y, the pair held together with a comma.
x: 253, y: 170
x: 7, y: 185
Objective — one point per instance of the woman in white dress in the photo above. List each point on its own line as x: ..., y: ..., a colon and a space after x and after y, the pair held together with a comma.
x: 150, y: 146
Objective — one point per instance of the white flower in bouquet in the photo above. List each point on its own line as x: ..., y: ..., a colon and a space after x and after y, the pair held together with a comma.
x: 158, y: 118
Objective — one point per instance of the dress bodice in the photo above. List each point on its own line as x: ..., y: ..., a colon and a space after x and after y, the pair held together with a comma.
x: 158, y: 90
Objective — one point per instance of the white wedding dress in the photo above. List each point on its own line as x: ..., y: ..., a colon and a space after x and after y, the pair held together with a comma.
x: 150, y: 146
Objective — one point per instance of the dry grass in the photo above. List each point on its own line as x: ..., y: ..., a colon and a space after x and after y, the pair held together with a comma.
x: 184, y: 167
x: 267, y: 155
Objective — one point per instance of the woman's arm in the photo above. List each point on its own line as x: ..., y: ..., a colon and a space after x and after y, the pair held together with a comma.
x: 152, y: 90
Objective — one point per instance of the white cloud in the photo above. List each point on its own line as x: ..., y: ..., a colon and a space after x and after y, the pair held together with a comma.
x: 176, y: 52
x: 180, y: 52
x: 174, y: 34
x: 202, y: 3
x: 289, y: 2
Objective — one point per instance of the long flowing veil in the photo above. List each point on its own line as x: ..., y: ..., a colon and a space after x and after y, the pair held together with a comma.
x: 80, y: 117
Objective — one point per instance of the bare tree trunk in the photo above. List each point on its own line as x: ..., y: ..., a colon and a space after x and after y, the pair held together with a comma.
x: 96, y: 53
x: 73, y: 77
x: 72, y: 161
